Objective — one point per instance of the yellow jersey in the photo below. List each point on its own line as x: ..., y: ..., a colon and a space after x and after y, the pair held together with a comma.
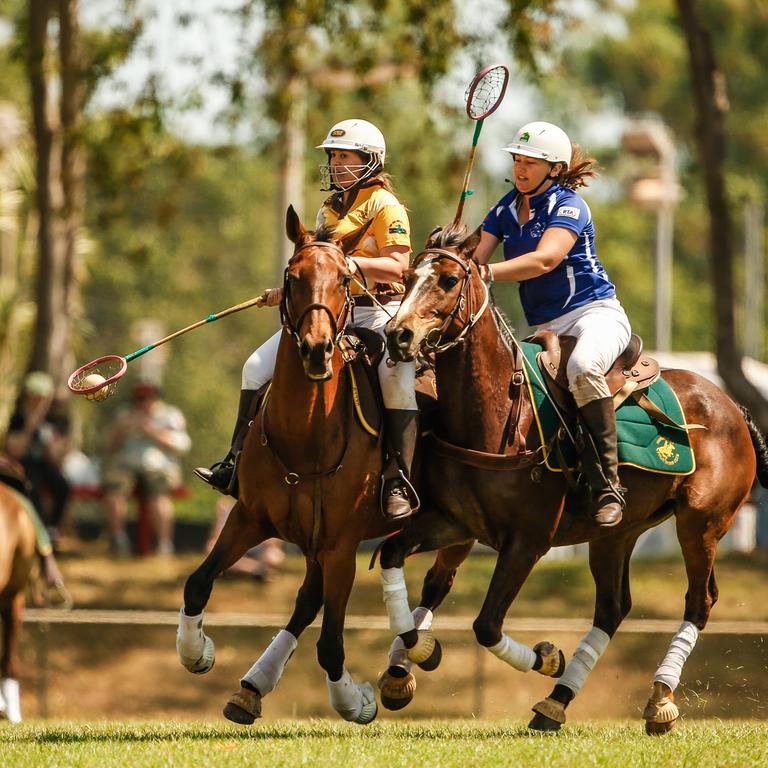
x: 389, y: 226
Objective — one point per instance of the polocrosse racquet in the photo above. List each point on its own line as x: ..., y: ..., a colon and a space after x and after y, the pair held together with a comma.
x: 483, y: 97
x: 98, y: 379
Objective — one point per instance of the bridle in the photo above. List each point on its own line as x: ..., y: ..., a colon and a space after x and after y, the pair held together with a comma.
x: 337, y: 321
x: 433, y: 341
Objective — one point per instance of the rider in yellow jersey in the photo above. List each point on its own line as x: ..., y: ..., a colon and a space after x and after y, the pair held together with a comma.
x: 362, y: 194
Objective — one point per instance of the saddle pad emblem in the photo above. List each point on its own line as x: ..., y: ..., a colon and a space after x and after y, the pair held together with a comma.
x: 667, y: 451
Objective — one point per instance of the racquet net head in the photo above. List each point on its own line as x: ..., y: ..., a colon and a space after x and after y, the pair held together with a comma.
x: 98, y: 379
x: 486, y: 91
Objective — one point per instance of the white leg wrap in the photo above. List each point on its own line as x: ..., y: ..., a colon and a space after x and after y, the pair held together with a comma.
x: 265, y: 674
x: 398, y: 657
x: 9, y: 694
x: 396, y: 600
x: 591, y: 647
x: 516, y: 655
x: 679, y: 650
x: 347, y: 698
x: 190, y: 638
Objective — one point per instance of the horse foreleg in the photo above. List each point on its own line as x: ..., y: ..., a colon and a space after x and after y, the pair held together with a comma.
x: 262, y: 678
x: 240, y: 533
x: 513, y: 566
x: 10, y: 699
x: 609, y: 564
x: 354, y: 702
x: 397, y: 683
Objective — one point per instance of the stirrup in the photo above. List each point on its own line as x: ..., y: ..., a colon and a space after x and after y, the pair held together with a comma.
x: 396, y: 489
x: 220, y: 475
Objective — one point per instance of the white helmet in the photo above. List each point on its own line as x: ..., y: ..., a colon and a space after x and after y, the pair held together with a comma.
x: 357, y: 136
x: 542, y: 140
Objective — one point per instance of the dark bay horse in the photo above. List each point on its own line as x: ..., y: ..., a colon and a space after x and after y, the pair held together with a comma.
x: 17, y: 560
x: 484, y: 407
x: 309, y: 474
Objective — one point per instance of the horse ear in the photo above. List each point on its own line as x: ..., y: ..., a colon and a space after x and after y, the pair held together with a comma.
x: 293, y: 226
x: 349, y: 242
x: 433, y: 236
x: 470, y: 244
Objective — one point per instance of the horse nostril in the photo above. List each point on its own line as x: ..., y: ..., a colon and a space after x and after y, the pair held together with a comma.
x: 328, y: 347
x: 404, y: 337
x: 305, y: 349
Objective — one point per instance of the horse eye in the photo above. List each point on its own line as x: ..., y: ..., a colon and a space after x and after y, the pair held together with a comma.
x: 448, y: 281
x: 345, y: 280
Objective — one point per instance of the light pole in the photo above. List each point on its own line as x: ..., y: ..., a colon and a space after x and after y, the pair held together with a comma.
x: 657, y: 189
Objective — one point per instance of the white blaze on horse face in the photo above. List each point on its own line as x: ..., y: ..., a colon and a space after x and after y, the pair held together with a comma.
x: 407, y: 312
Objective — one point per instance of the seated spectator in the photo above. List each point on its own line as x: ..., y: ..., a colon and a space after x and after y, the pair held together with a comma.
x: 38, y: 439
x: 143, y: 457
x: 261, y: 562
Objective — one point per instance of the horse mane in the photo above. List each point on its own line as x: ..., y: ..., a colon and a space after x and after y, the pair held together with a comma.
x: 324, y: 234
x: 452, y: 236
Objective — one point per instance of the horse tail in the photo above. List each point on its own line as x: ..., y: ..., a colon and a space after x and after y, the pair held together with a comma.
x: 760, y: 446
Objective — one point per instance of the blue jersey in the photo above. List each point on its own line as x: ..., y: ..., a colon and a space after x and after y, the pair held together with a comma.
x: 579, y: 279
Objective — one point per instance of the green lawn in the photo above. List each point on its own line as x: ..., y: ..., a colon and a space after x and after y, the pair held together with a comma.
x: 381, y: 745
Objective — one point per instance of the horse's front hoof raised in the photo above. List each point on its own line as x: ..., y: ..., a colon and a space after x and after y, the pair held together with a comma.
x: 396, y: 686
x: 243, y: 707
x: 427, y: 651
x: 552, y: 659
x: 549, y: 715
x: 433, y: 662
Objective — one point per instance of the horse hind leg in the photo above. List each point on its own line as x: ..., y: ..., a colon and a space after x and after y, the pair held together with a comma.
x: 10, y: 698
x: 397, y: 684
x: 262, y: 678
x: 699, y: 545
x: 609, y: 563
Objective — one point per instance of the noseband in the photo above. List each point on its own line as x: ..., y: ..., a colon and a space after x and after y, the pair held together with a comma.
x: 434, y: 339
x: 337, y: 321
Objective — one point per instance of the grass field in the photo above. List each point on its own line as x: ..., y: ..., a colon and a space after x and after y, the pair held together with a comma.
x: 433, y: 744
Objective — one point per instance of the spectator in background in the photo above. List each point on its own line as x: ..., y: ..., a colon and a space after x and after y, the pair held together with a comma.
x: 38, y: 438
x: 143, y: 456
x: 261, y: 562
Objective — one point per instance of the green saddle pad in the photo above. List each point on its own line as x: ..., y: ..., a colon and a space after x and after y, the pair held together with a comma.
x: 643, y: 442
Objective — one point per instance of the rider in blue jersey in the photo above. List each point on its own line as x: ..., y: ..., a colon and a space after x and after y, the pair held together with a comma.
x: 548, y: 240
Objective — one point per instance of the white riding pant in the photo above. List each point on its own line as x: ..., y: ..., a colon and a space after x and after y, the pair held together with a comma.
x: 397, y: 383
x: 602, y: 332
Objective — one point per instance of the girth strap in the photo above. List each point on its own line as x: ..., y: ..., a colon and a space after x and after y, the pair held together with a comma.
x: 496, y: 462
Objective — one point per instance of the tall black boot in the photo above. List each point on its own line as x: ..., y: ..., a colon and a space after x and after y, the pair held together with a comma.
x: 221, y: 475
x: 400, y: 431
x: 601, y: 462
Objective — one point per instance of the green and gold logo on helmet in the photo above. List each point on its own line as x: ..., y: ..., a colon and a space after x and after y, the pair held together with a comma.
x: 525, y: 136
x: 337, y: 132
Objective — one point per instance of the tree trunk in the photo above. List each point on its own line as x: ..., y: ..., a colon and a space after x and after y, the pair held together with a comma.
x: 711, y: 105
x: 59, y: 178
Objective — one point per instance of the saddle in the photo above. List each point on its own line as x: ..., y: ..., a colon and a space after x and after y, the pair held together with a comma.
x: 363, y: 349
x: 631, y: 373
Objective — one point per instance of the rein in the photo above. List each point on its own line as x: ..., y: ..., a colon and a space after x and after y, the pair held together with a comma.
x: 437, y: 344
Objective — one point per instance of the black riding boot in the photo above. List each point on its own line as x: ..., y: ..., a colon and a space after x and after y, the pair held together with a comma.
x: 221, y: 475
x: 400, y: 431
x: 601, y: 464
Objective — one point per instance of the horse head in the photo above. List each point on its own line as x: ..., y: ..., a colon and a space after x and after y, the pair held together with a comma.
x: 316, y: 297
x: 444, y: 295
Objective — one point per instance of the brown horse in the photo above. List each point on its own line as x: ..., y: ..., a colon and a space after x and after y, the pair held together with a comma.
x: 309, y: 474
x: 17, y: 558
x: 484, y: 408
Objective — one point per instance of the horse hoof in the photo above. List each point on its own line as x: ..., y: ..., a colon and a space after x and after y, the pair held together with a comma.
x: 397, y: 687
x: 552, y: 659
x: 433, y: 662
x: 659, y: 729
x: 368, y: 713
x: 243, y: 707
x: 424, y: 649
x: 204, y: 663
x: 543, y: 724
x: 549, y: 715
